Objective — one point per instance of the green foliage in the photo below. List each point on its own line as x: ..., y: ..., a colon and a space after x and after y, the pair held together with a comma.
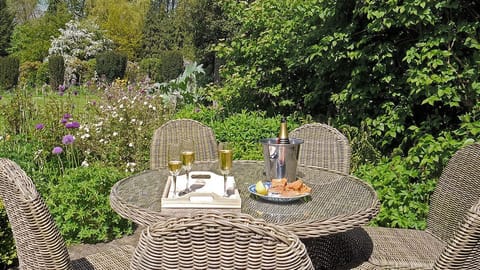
x: 42, y: 76
x: 404, y: 184
x: 6, y: 27
x: 7, y: 245
x: 168, y: 66
x: 28, y: 73
x: 404, y: 198
x: 172, y: 65
x: 9, y: 72
x: 244, y: 129
x: 123, y: 28
x: 268, y: 62
x: 163, y: 31
x: 79, y: 202
x: 181, y: 91
x: 31, y: 40
x: 112, y: 65
x: 56, y: 70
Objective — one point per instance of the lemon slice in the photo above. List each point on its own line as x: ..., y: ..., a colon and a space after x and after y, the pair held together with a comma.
x: 260, y: 188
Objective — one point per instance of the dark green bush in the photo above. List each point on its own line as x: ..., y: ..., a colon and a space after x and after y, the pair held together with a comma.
x: 167, y: 67
x: 56, y: 70
x: 112, y: 65
x: 9, y: 72
x: 172, y: 65
x: 80, y: 206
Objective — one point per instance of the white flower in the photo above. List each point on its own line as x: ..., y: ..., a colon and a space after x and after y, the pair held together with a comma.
x: 85, y: 163
x: 115, y: 134
x: 130, y: 144
x: 120, y: 119
x: 85, y: 136
x: 133, y: 120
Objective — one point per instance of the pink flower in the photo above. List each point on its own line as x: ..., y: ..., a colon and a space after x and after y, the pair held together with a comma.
x: 72, y: 125
x: 57, y: 150
x: 68, y: 139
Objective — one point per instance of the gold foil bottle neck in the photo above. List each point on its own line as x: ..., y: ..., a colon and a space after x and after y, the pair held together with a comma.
x: 283, y: 134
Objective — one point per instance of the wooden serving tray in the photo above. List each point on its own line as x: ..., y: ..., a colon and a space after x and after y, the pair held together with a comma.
x: 207, y: 192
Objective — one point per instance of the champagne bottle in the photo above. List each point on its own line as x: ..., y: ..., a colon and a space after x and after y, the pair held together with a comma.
x: 283, y: 134
x: 282, y: 139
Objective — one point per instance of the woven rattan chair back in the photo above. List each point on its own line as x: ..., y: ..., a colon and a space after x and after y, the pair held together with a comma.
x: 219, y: 241
x: 175, y: 131
x: 457, y: 190
x: 463, y: 250
x: 324, y: 146
x: 38, y: 241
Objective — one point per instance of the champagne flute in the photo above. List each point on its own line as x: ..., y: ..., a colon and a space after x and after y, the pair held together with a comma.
x: 225, y: 154
x: 174, y: 163
x: 188, y: 157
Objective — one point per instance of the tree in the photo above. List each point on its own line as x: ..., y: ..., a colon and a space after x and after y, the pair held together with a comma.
x: 208, y: 24
x: 123, y: 22
x: 23, y: 10
x: 162, y: 30
x: 31, y: 40
x: 78, y: 41
x: 6, y: 27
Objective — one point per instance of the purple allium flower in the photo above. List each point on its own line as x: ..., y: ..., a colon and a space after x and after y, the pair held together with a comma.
x: 39, y: 126
x: 68, y: 139
x: 72, y: 125
x: 67, y: 116
x: 75, y: 93
x: 57, y: 150
x: 61, y: 88
x: 63, y: 121
x: 93, y: 102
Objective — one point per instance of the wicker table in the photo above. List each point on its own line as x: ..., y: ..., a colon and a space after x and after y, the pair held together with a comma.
x: 338, y: 202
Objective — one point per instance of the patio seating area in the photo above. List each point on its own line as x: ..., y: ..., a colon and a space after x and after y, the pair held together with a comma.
x: 317, y: 234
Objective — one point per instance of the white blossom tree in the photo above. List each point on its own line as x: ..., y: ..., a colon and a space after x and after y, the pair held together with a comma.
x: 78, y: 42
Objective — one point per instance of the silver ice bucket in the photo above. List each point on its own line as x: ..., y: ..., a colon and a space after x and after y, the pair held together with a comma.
x: 281, y: 159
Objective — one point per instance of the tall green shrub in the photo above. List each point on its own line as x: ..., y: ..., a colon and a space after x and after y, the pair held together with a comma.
x: 172, y: 65
x: 56, y: 68
x: 9, y: 72
x: 6, y: 27
x: 112, y: 65
x: 167, y: 66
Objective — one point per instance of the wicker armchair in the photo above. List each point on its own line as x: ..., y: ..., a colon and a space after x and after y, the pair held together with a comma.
x: 324, y: 146
x: 452, y: 237
x: 218, y: 241
x: 38, y: 241
x: 175, y: 131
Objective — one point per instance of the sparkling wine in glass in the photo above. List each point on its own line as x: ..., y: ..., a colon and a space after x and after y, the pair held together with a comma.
x: 174, y: 163
x: 225, y: 156
x: 188, y: 157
